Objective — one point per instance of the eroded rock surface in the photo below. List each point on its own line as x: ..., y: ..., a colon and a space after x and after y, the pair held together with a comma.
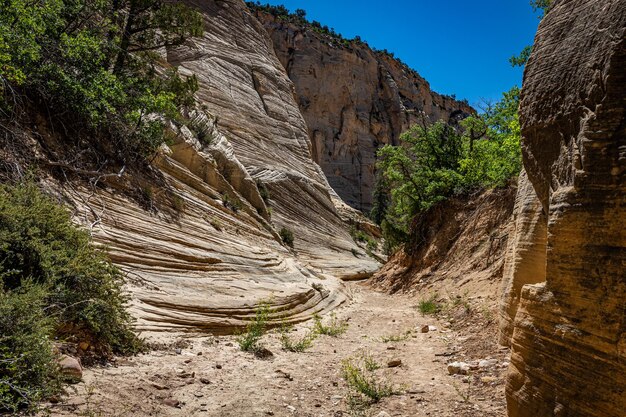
x: 354, y: 101
x: 456, y: 247
x: 215, y: 254
x: 569, y: 333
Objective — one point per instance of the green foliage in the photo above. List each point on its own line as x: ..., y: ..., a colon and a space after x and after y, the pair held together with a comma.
x: 362, y: 237
x: 91, y: 64
x: 28, y: 370
x: 435, y: 162
x: 39, y: 243
x: 286, y: 236
x: 429, y: 306
x: 249, y: 341
x: 53, y: 283
x: 264, y: 192
x: 299, y: 345
x: 334, y: 328
x: 521, y: 59
x: 543, y: 6
x: 361, y: 378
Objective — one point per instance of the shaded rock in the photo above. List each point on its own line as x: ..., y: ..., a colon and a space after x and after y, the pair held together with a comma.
x: 565, y: 284
x: 70, y: 368
x: 393, y: 363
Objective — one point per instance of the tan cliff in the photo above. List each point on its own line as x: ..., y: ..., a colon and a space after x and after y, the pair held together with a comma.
x: 564, y: 306
x: 204, y: 249
x: 354, y: 100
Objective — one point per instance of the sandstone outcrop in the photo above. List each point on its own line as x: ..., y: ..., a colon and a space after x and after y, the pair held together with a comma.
x: 566, y: 285
x: 206, y: 259
x: 354, y: 100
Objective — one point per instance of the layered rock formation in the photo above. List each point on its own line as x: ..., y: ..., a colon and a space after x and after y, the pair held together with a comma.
x: 208, y: 255
x: 566, y: 285
x: 354, y: 100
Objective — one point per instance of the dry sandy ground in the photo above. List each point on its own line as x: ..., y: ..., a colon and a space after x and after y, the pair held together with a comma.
x: 211, y: 376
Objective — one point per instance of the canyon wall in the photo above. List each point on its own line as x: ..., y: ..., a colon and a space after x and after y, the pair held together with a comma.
x: 565, y: 281
x: 206, y: 251
x: 354, y: 100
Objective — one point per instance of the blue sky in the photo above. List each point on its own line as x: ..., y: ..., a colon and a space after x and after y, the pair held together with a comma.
x: 461, y: 47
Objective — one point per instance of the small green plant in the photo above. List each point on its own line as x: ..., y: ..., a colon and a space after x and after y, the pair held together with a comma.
x: 334, y: 328
x: 286, y: 236
x: 249, y: 341
x: 397, y: 337
x: 231, y: 203
x: 264, y: 192
x: 429, y: 306
x: 370, y: 363
x: 178, y: 203
x: 298, y: 345
x: 364, y: 382
x: 216, y: 223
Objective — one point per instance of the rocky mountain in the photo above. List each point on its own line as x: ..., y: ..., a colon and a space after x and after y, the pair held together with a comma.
x: 354, y: 100
x: 204, y: 248
x: 565, y: 288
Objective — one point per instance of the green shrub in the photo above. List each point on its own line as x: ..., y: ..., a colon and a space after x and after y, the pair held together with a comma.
x: 429, y: 305
x: 28, y: 369
x: 286, y: 236
x: 298, y: 345
x: 364, y: 381
x: 264, y: 192
x: 249, y: 341
x: 39, y: 242
x: 334, y: 328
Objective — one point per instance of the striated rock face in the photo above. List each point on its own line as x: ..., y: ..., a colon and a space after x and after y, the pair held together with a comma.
x: 569, y: 325
x: 207, y: 258
x: 354, y: 101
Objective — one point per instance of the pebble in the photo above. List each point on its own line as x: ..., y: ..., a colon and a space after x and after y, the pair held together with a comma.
x: 458, y: 368
x: 171, y: 402
x: 291, y: 408
x: 394, y: 363
x: 425, y: 329
x: 383, y: 414
x: 205, y: 381
x: 178, y: 351
x: 218, y: 366
x: 485, y: 363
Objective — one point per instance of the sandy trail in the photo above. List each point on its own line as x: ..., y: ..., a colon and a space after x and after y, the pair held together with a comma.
x: 210, y: 376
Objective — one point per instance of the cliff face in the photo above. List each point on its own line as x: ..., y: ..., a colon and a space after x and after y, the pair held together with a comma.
x: 354, y: 101
x: 565, y: 304
x: 208, y: 251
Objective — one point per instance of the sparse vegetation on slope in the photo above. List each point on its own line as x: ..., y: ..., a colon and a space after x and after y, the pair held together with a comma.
x: 249, y: 341
x: 334, y: 328
x: 93, y: 66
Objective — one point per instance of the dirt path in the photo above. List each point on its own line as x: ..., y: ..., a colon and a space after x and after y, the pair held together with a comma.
x: 210, y: 376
